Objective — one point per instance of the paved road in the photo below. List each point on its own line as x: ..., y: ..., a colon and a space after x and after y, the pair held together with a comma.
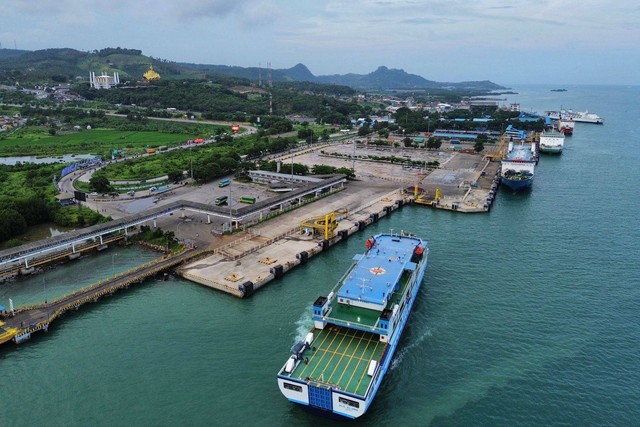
x: 250, y: 129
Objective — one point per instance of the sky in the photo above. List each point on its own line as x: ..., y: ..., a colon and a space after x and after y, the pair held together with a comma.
x: 505, y: 41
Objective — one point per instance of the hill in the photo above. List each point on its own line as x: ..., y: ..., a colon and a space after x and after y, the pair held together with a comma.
x: 381, y: 79
x: 67, y: 64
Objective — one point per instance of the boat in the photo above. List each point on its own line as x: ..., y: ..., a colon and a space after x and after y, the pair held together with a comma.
x: 551, y: 142
x: 587, y: 117
x: 558, y: 90
x: 338, y: 367
x: 518, y: 167
x: 6, y: 333
x: 566, y: 126
x: 576, y: 116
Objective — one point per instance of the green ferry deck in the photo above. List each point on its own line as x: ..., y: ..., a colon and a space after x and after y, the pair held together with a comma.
x: 346, y: 346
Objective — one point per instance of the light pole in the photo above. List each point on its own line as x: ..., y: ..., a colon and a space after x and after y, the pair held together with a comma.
x: 178, y: 231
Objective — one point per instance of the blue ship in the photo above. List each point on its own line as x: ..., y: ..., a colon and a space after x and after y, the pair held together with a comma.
x: 338, y: 367
x: 518, y: 167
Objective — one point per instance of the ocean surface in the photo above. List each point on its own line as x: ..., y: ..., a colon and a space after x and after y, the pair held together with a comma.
x: 528, y: 315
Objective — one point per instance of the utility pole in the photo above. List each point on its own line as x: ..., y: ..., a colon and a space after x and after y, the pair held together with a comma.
x: 353, y: 159
x: 230, y: 212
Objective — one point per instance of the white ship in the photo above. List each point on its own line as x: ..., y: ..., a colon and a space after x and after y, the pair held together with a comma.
x: 551, y: 142
x: 338, y: 368
x: 587, y: 117
x: 579, y: 116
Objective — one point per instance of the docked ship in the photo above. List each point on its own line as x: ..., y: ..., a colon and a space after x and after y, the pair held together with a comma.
x: 551, y: 142
x: 566, y: 126
x: 518, y: 167
x: 337, y: 368
x: 579, y: 116
x: 587, y: 117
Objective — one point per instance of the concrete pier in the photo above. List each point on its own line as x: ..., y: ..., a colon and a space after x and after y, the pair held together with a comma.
x: 269, y: 251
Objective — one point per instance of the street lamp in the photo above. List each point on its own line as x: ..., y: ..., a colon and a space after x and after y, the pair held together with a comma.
x: 230, y: 212
x: 178, y: 231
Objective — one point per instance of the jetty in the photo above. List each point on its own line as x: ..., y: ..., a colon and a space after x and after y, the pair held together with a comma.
x: 271, y: 249
x: 18, y: 325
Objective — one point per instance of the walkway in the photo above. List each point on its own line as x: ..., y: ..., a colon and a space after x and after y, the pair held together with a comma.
x: 38, y: 317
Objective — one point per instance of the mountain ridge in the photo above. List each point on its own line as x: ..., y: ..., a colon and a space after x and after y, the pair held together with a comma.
x: 131, y: 63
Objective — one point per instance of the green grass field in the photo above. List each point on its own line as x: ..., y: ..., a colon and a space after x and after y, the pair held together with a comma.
x: 34, y: 141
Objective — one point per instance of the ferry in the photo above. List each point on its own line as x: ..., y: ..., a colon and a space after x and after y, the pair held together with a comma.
x: 579, y: 116
x: 551, y: 142
x: 518, y: 168
x: 337, y: 368
x: 587, y: 117
x: 566, y: 126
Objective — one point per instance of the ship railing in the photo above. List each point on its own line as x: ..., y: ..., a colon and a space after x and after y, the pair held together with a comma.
x: 342, y: 322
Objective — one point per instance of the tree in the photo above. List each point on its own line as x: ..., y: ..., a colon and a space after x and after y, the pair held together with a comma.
x: 228, y: 164
x: 175, y: 175
x: 434, y: 143
x: 204, y: 171
x: 479, y: 146
x: 364, y: 130
x: 11, y: 224
x: 346, y: 171
x: 323, y: 169
x: 100, y: 183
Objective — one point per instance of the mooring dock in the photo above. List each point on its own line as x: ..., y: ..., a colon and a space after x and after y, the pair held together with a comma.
x: 270, y: 250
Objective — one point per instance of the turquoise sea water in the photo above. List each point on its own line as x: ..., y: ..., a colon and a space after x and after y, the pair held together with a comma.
x: 528, y: 315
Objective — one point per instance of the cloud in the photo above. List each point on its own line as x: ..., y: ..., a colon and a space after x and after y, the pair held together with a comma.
x: 246, y: 12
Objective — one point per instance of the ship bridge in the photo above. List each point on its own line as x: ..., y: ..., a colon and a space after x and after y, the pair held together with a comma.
x: 376, y: 276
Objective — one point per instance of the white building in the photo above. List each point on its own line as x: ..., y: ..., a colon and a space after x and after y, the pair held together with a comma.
x: 103, y: 81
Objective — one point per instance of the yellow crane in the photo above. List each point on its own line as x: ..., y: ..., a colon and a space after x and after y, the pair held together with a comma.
x: 500, y: 152
x: 325, y: 224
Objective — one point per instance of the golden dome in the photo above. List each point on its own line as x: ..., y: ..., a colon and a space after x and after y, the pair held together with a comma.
x: 151, y: 74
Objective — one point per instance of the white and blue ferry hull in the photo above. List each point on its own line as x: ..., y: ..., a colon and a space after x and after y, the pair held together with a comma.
x: 517, y: 184
x: 341, y: 410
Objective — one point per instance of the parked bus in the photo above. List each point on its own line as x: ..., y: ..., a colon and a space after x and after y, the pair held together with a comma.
x: 248, y: 199
x: 224, y: 182
x: 222, y: 200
